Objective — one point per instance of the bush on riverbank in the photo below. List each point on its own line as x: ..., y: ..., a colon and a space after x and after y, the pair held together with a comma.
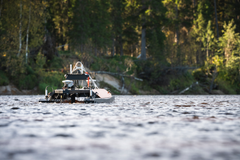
x: 3, y: 79
x: 115, y: 64
x: 222, y: 82
x: 49, y: 77
x: 226, y: 87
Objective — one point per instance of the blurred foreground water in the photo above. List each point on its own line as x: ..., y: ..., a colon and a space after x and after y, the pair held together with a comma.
x: 131, y: 128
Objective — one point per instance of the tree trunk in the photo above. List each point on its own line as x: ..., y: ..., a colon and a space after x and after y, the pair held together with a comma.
x: 176, y: 34
x: 95, y: 51
x: 215, y: 7
x: 236, y: 18
x: 207, y: 55
x: 143, y: 38
x: 62, y: 38
x: 106, y: 51
x: 81, y: 48
x: 197, y: 57
x: 207, y: 52
x: 62, y: 48
x: 20, y: 30
x: 223, y: 13
x: 29, y: 20
x: 135, y: 50
x: 143, y: 46
x: 113, y: 42
x: 121, y: 45
x: 68, y: 44
x: 194, y: 11
x: 208, y: 39
x: 214, y: 75
x: 117, y: 45
x: 1, y: 8
x: 177, y: 38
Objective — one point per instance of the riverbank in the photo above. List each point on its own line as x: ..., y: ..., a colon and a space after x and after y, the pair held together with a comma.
x: 13, y: 90
x: 126, y: 76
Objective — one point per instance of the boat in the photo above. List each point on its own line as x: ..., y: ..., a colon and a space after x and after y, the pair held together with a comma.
x: 79, y: 87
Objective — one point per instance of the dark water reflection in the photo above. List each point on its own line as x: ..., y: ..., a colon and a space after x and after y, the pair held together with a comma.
x: 133, y: 127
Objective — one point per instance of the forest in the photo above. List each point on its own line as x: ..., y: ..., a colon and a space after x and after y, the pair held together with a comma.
x: 170, y: 44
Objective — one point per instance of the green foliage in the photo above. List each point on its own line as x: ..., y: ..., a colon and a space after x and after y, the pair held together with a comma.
x: 116, y: 64
x: 230, y: 45
x: 143, y: 85
x: 100, y: 64
x: 65, y: 54
x: 60, y: 13
x: 56, y: 63
x: 40, y: 61
x: 134, y: 89
x: 229, y: 64
x: 10, y: 28
x: 200, y: 75
x: 112, y: 89
x: 20, y: 74
x: 156, y: 45
x: 180, y: 82
x: 155, y: 20
x: 176, y: 84
x: 195, y: 90
x: 3, y: 79
x: 226, y: 87
x: 15, y: 65
x: 131, y: 85
x: 27, y: 81
x: 41, y: 87
x: 162, y: 89
x: 53, y: 79
x: 50, y: 78
x: 208, y: 41
x: 91, y: 23
x: 203, y: 16
x: 25, y: 77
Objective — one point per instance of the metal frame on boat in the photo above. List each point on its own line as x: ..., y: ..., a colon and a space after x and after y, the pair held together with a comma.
x: 79, y: 87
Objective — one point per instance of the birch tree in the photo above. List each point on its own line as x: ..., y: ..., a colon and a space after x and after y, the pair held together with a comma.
x: 20, y: 30
x: 29, y: 20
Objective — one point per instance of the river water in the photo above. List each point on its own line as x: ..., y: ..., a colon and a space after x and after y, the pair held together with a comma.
x: 131, y: 128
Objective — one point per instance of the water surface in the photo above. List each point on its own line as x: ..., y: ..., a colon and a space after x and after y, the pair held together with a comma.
x: 131, y: 128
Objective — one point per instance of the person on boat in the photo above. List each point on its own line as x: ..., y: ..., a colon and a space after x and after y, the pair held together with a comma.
x: 68, y: 84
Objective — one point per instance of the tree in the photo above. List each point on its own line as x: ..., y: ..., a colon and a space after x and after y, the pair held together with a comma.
x: 208, y: 40
x: 28, y: 32
x: 229, y: 42
x: 117, y: 10
x: 90, y: 24
x: 216, y: 19
x: 20, y: 29
x: 152, y: 15
x: 200, y: 32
